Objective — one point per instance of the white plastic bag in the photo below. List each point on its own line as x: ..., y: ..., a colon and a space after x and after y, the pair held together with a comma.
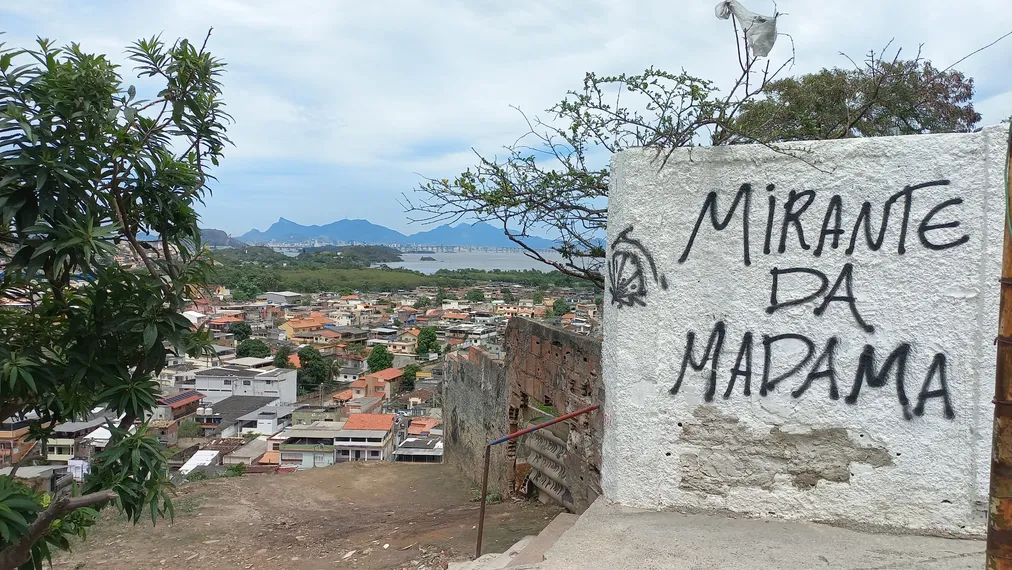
x: 760, y: 31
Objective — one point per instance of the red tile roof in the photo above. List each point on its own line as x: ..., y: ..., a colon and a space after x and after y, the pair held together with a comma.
x: 360, y: 383
x: 388, y: 375
x: 343, y: 395
x: 293, y: 359
x: 377, y: 422
x: 423, y: 425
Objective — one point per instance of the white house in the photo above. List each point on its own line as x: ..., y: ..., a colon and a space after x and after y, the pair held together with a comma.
x: 220, y: 383
x: 283, y: 297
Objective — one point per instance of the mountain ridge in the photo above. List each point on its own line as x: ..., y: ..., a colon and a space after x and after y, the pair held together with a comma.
x: 479, y: 234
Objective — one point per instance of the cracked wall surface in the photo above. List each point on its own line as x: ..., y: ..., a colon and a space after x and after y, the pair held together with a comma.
x: 807, y: 333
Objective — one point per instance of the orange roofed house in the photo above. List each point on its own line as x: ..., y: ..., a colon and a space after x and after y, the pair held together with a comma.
x: 366, y: 437
x: 380, y: 384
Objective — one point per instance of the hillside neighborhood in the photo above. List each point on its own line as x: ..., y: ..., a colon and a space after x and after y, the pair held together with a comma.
x: 298, y: 381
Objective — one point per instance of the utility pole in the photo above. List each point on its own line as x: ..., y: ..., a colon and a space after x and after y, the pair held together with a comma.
x: 999, y: 523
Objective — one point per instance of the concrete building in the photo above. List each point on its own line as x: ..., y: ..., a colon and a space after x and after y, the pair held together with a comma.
x: 222, y: 382
x: 282, y: 297
x: 267, y: 420
x: 221, y: 419
x: 310, y: 446
x: 311, y: 414
x: 366, y: 437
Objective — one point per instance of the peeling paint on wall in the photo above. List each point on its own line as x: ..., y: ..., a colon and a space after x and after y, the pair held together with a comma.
x: 821, y: 342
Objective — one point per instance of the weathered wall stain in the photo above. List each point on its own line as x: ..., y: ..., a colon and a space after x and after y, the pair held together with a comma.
x: 731, y: 455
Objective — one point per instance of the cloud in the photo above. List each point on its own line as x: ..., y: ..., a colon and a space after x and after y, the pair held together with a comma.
x: 345, y: 101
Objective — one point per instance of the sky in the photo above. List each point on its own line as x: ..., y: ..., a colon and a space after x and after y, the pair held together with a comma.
x: 342, y: 106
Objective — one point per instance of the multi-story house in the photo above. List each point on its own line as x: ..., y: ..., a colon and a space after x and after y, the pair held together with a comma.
x: 366, y: 437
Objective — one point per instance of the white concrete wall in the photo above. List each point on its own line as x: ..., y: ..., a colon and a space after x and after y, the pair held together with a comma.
x: 856, y: 456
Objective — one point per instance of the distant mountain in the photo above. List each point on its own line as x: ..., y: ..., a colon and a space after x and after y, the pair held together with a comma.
x: 218, y: 238
x: 213, y: 238
x: 362, y: 231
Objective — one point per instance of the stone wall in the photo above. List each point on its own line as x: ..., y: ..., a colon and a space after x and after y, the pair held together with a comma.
x: 475, y: 406
x: 560, y: 369
x: 485, y: 399
x: 806, y: 333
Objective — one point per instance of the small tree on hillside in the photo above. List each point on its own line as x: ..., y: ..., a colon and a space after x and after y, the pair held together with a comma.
x: 240, y: 331
x: 475, y: 295
x: 253, y: 347
x: 428, y: 343
x: 423, y: 303
x: 86, y: 170
x: 380, y: 358
x: 507, y: 296
x: 561, y: 307
x: 308, y: 354
x: 408, y: 379
x: 281, y: 359
x: 539, y: 299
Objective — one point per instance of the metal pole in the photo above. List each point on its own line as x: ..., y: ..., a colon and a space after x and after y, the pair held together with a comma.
x: 999, y: 527
x: 484, y: 491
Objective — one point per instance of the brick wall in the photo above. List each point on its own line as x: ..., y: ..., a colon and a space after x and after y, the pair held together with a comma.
x: 561, y: 369
x: 485, y: 398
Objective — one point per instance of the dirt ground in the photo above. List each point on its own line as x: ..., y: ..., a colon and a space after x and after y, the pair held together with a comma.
x: 362, y: 515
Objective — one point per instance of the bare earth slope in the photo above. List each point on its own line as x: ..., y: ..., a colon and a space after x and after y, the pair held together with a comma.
x: 313, y: 519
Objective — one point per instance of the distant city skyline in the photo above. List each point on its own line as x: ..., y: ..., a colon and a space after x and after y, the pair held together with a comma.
x: 342, y: 106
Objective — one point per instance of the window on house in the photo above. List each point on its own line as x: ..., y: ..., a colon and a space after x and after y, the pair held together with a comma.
x: 342, y: 452
x: 246, y: 382
x: 228, y: 382
x: 374, y: 454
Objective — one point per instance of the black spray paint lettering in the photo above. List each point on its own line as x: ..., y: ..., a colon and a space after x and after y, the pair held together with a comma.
x: 710, y: 205
x: 844, y: 280
x: 824, y: 367
x: 832, y: 230
x: 630, y: 269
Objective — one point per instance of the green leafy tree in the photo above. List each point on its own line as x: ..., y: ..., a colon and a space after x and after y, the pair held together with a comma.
x: 440, y: 297
x: 345, y: 291
x: 189, y: 428
x: 309, y: 354
x: 475, y: 295
x: 561, y: 307
x: 550, y: 178
x: 408, y: 379
x: 245, y: 290
x: 281, y: 357
x: 423, y: 303
x: 508, y: 296
x: 879, y: 98
x: 240, y: 331
x: 315, y: 371
x: 427, y: 342
x: 539, y: 299
x: 253, y: 347
x: 86, y: 169
x: 380, y: 358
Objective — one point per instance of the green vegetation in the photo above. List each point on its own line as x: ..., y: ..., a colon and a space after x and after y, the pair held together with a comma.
x: 408, y: 381
x: 380, y: 359
x: 281, y: 357
x: 236, y: 470
x: 86, y: 172
x: 475, y: 295
x: 252, y: 270
x: 240, y: 331
x: 253, y: 347
x: 561, y: 307
x: 427, y: 341
x: 188, y: 428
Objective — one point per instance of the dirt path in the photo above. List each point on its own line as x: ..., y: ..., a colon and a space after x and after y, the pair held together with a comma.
x: 313, y: 519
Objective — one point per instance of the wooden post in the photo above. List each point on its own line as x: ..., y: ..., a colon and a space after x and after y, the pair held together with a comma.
x: 999, y: 527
